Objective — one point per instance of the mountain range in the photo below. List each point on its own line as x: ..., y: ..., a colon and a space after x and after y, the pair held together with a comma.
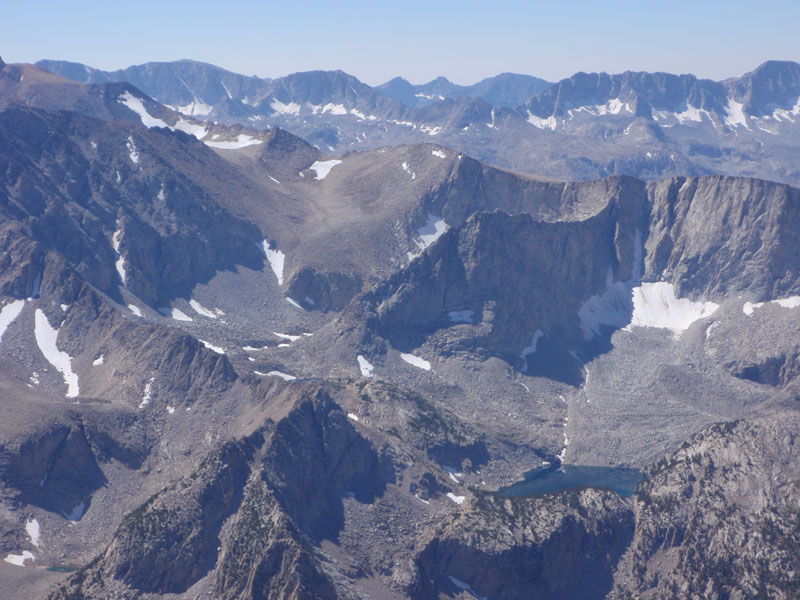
x: 647, y: 125
x: 237, y: 364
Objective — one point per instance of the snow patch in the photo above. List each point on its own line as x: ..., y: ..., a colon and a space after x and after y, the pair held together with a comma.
x: 33, y: 531
x: 293, y: 108
x: 323, y: 167
x: 132, y: 153
x: 791, y: 302
x: 408, y: 170
x: 46, y: 337
x: 431, y: 231
x: 137, y: 106
x: 171, y: 410
x: 352, y: 417
x: 211, y: 346
x: 456, y: 499
x: 416, y: 361
x: 286, y: 336
x: 201, y: 310
x: 284, y: 376
x: 734, y: 114
x: 276, y: 260
x: 148, y: 393
x: 430, y: 130
x: 548, y: 123
x: 241, y: 141
x: 19, y: 559
x: 8, y: 313
x: 119, y: 263
x: 98, y: 361
x: 655, y: 305
x: 293, y: 302
x: 334, y: 109
x: 174, y: 313
x: 135, y: 310
x: 438, y: 153
x: 365, y: 367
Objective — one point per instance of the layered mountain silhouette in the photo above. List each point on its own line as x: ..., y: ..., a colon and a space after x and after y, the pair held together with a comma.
x: 238, y: 364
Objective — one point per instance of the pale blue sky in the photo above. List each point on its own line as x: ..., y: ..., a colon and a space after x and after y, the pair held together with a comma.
x: 465, y: 41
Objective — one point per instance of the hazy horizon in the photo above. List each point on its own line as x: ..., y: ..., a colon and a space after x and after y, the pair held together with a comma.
x: 462, y: 42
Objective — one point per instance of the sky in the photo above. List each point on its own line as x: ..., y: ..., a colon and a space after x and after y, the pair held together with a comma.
x: 419, y: 40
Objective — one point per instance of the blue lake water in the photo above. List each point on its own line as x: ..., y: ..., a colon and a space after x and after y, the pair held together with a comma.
x: 623, y: 481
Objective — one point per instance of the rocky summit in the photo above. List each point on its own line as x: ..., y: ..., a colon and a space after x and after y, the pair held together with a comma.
x: 307, y: 339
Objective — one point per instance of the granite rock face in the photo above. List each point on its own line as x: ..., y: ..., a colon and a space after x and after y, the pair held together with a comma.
x: 718, y: 518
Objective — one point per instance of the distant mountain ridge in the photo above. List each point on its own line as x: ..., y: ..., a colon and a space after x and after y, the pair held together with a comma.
x: 506, y: 90
x: 647, y: 125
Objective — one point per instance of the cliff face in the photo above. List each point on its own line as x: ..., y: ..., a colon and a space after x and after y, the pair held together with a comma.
x: 248, y: 514
x: 515, y: 274
x: 718, y: 518
x: 559, y: 546
x: 74, y: 183
x: 719, y: 236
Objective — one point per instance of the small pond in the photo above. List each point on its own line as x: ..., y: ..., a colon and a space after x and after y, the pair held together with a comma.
x: 621, y: 480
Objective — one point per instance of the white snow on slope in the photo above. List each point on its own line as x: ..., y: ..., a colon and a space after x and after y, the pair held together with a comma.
x: 655, y: 305
x: 692, y: 114
x: 149, y: 121
x: 334, y: 109
x: 242, y: 141
x: 8, y: 313
x: 294, y: 303
x: 366, y: 368
x: 32, y: 529
x: 175, y: 313
x: 352, y: 417
x: 416, y: 361
x: 46, y: 338
x: 431, y: 231
x: 286, y: 336
x: 293, y: 108
x: 98, y: 361
x: 781, y: 113
x: 148, y: 391
x: 211, y: 346
x: 132, y: 153
x: 323, y: 167
x: 734, y: 114
x: 408, y: 170
x: 284, y: 376
x: 137, y: 106
x: 135, y: 310
x: 548, y: 123
x: 201, y: 310
x: 438, y: 153
x: 456, y: 499
x: 461, y: 316
x: 19, y: 559
x: 791, y: 302
x: 430, y: 130
x: 276, y: 260
x: 116, y: 239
